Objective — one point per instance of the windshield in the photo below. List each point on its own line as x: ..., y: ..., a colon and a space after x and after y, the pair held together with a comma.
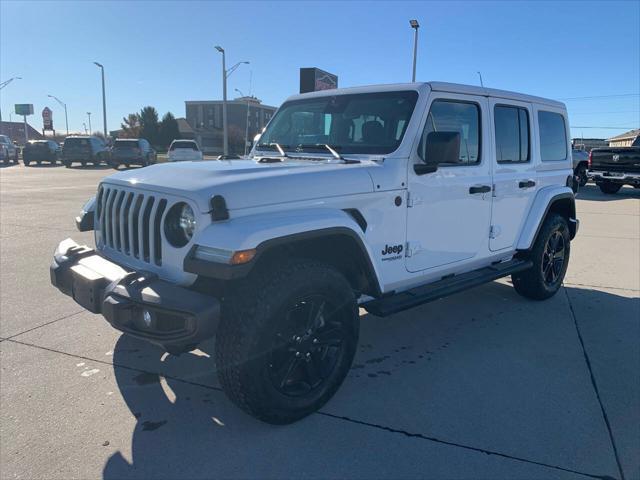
x: 369, y: 123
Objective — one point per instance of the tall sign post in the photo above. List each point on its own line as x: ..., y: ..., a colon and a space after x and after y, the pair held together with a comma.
x: 47, y: 120
x: 24, y: 109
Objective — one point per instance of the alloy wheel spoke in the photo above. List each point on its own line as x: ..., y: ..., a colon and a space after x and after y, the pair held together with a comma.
x: 313, y: 371
x: 286, y: 370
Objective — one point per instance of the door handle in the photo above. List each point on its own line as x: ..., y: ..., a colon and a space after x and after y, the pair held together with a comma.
x: 527, y: 184
x: 479, y: 189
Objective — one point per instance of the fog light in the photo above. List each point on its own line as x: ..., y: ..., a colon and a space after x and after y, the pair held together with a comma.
x: 146, y: 317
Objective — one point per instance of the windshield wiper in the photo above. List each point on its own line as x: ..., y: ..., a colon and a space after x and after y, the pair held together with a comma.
x: 277, y: 147
x: 331, y: 150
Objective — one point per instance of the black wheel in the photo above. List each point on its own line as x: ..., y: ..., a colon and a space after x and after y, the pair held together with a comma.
x: 26, y: 162
x: 15, y: 158
x: 550, y: 256
x: 581, y: 173
x: 6, y: 160
x: 67, y: 163
x: 286, y: 340
x: 39, y: 162
x: 127, y: 165
x: 83, y: 163
x: 610, y: 188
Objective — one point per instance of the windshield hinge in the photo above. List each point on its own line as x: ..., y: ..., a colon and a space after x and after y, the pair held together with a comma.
x: 413, y: 200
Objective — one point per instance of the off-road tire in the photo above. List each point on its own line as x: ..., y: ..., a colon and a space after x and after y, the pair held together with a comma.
x: 26, y: 162
x: 531, y: 283
x: 67, y: 164
x: 581, y: 173
x: 250, y: 318
x: 610, y: 188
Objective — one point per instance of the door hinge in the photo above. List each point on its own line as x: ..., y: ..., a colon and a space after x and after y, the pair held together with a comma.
x: 413, y: 200
x: 412, y: 248
x: 494, y: 231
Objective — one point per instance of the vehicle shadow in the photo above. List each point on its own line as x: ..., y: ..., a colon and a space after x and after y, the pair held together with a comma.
x: 592, y: 192
x: 186, y: 427
x: 89, y: 167
x: 44, y: 164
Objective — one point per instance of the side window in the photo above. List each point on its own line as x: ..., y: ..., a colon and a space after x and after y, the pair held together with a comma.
x: 512, y: 134
x: 451, y: 136
x: 553, y: 136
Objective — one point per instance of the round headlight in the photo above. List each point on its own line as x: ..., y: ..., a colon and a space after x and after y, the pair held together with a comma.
x: 179, y: 224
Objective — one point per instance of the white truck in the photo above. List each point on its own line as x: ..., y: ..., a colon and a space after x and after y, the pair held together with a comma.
x: 380, y: 197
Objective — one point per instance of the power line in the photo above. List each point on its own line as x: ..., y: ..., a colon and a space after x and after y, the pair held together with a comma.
x: 609, y: 128
x: 621, y: 95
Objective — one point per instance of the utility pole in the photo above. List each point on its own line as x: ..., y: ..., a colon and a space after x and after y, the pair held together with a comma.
x: 89, y: 115
x: 225, y: 74
x: 481, y: 84
x: 104, y: 102
x: 415, y: 25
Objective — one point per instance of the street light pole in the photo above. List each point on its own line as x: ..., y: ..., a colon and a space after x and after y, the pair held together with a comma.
x: 246, y: 127
x: 89, y: 115
x: 415, y: 25
x: 66, y: 118
x: 225, y: 74
x: 104, y: 102
x: 225, y: 133
x: 4, y: 84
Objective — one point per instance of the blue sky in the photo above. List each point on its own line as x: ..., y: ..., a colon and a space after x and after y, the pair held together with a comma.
x: 161, y: 53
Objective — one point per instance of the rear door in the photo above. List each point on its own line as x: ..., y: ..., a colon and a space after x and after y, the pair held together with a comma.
x: 514, y: 177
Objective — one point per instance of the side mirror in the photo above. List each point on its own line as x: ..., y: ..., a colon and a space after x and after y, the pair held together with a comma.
x: 442, y: 147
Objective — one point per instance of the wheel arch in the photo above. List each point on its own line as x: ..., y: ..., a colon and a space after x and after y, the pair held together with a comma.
x: 560, y: 200
x: 339, y: 247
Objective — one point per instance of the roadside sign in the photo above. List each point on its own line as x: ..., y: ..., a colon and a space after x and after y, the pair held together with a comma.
x: 24, y: 108
x: 314, y: 79
x: 47, y: 119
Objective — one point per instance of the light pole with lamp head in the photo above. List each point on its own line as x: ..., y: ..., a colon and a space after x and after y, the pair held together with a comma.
x: 66, y: 118
x: 104, y: 102
x: 246, y: 128
x: 415, y: 25
x: 4, y: 84
x: 225, y: 74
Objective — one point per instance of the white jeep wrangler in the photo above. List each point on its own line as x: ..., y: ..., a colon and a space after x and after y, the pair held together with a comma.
x: 383, y: 197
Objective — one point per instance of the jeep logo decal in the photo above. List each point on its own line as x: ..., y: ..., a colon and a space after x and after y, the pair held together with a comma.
x: 396, y: 249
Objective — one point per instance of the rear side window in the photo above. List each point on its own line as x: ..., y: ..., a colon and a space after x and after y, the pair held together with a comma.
x: 553, y: 136
x: 126, y: 144
x: 512, y: 134
x: 451, y: 125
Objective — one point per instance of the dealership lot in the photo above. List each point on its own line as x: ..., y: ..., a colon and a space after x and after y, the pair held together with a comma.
x: 483, y: 384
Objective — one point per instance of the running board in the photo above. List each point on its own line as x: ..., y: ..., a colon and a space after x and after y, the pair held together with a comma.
x: 382, y: 307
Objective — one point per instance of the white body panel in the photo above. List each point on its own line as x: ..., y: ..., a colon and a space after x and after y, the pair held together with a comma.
x: 446, y: 229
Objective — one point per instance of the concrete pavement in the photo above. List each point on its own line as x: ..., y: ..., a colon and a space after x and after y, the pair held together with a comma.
x: 483, y: 384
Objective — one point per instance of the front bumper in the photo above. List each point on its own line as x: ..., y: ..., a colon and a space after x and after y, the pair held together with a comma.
x: 135, y: 302
x: 615, y: 177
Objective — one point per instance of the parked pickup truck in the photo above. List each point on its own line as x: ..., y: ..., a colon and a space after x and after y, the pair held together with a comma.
x: 611, y: 168
x: 381, y: 197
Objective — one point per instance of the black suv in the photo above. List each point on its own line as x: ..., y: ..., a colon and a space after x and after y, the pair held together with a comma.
x: 130, y: 151
x: 84, y: 149
x: 39, y: 151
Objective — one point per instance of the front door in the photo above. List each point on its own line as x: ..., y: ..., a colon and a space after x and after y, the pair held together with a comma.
x: 514, y: 175
x: 449, y: 209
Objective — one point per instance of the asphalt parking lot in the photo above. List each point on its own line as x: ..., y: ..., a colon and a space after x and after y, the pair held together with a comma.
x: 483, y: 384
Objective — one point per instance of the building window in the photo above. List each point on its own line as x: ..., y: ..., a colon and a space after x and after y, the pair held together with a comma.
x: 512, y: 134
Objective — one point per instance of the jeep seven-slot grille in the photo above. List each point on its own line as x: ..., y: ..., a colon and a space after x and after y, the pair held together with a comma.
x: 130, y: 223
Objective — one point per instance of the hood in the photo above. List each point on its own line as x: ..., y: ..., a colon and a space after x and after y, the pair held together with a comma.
x: 247, y: 183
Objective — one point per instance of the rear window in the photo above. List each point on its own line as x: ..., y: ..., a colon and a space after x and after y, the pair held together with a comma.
x: 76, y: 142
x: 553, y: 136
x: 184, y: 144
x: 126, y: 144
